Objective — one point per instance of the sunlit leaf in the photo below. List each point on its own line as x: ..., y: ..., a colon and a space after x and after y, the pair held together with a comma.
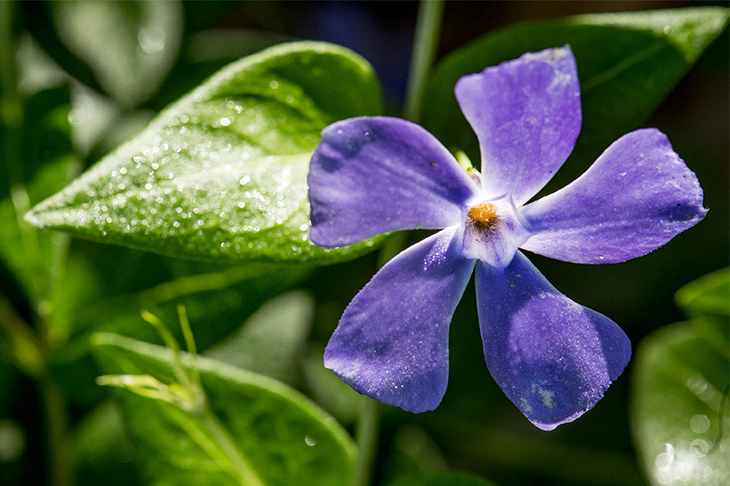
x: 221, y: 173
x: 284, y: 436
x: 627, y: 63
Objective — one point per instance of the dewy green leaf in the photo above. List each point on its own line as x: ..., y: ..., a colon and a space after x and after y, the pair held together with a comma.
x: 680, y: 413
x: 627, y: 64
x: 285, y: 438
x: 221, y: 173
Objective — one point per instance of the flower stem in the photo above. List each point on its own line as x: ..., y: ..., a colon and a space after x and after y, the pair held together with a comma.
x: 428, y: 28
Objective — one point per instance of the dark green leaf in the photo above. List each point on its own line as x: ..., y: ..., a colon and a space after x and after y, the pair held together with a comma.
x: 284, y: 436
x: 441, y: 479
x: 413, y: 451
x: 44, y: 138
x: 221, y: 174
x: 627, y: 63
x: 707, y: 296
x: 38, y: 20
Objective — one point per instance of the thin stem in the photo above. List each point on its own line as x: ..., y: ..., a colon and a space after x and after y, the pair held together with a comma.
x: 428, y: 28
x: 368, y: 427
x: 246, y: 474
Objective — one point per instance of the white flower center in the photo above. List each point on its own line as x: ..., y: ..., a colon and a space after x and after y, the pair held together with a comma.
x: 493, y: 232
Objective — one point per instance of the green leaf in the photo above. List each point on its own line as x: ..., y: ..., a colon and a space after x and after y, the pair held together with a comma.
x: 706, y: 296
x: 627, y: 63
x: 281, y: 433
x: 440, y: 478
x: 221, y: 173
x: 706, y: 300
x: 333, y: 394
x: 679, y: 381
x: 128, y: 45
x: 413, y: 451
x: 271, y: 341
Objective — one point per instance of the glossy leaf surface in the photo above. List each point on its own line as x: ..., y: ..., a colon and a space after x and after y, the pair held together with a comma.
x: 221, y: 173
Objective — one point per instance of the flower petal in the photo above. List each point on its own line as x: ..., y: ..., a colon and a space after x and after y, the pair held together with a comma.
x: 636, y: 197
x: 373, y: 175
x: 552, y: 357
x: 526, y: 115
x: 392, y: 341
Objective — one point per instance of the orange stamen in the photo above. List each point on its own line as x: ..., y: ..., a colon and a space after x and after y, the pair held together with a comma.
x: 482, y: 215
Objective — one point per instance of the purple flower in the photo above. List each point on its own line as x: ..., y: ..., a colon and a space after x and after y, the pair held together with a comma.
x: 552, y: 357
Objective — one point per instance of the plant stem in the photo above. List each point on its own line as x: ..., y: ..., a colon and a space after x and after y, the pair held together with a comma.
x: 428, y: 28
